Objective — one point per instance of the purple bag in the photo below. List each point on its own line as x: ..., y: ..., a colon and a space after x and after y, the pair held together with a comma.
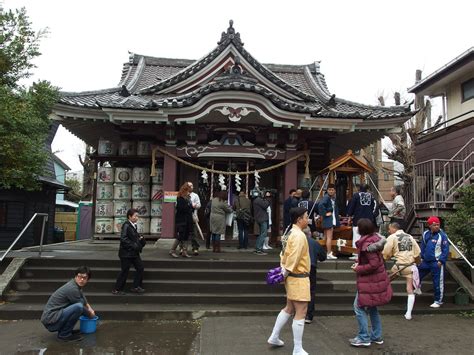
x: 275, y: 276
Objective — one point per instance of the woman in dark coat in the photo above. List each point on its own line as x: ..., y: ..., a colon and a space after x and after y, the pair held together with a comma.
x: 183, y: 220
x: 330, y: 214
x: 373, y: 286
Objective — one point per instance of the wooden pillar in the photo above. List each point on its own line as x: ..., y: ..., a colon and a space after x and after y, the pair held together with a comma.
x: 291, y: 173
x: 169, y: 184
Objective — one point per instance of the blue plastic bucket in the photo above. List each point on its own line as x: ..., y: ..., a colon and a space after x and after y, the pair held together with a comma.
x: 88, y: 325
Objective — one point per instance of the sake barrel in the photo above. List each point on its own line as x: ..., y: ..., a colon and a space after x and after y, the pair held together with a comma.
x: 144, y: 148
x: 143, y: 208
x: 140, y: 192
x: 104, y: 225
x: 141, y: 175
x: 122, y: 192
x: 158, y: 178
x: 104, y: 208
x: 123, y: 175
x: 155, y: 225
x: 156, y: 192
x: 118, y: 222
x: 105, y: 191
x: 143, y: 225
x: 105, y: 175
x: 127, y: 148
x: 121, y: 207
x: 156, y: 208
x: 107, y: 147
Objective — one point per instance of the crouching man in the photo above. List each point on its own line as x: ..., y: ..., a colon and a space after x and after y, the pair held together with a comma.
x: 66, y: 305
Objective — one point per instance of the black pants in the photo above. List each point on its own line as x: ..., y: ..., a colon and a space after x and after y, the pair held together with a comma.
x: 312, y: 290
x: 125, y: 264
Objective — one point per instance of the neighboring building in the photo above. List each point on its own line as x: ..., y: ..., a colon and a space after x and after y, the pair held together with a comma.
x: 444, y: 152
x: 61, y: 169
x: 227, y: 112
x: 18, y: 206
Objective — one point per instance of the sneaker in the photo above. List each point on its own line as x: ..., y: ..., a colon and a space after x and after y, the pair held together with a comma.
x: 407, y: 317
x: 353, y: 257
x: 76, y: 331
x: 118, y: 293
x: 275, y: 341
x: 331, y: 257
x: 435, y: 305
x: 308, y: 321
x: 173, y: 254
x: 417, y: 291
x: 72, y: 337
x: 195, y: 252
x: 259, y: 252
x: 359, y: 343
x: 137, y: 290
x: 378, y: 341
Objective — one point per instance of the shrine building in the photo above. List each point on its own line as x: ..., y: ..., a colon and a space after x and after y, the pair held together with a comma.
x: 224, y: 113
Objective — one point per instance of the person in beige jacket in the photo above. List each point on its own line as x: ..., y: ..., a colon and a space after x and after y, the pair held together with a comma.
x: 296, y: 265
x: 404, y: 248
x: 219, y: 208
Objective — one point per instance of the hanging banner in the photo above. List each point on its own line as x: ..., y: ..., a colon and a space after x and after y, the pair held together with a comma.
x: 170, y: 196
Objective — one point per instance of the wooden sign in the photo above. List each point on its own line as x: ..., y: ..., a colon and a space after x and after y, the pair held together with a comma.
x: 170, y: 196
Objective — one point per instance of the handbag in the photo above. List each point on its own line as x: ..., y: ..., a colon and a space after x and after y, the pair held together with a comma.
x: 229, y: 218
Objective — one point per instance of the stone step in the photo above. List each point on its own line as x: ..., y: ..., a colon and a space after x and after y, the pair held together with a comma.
x: 58, y: 272
x: 196, y: 311
x: 207, y: 298
x: 207, y: 286
x: 182, y: 263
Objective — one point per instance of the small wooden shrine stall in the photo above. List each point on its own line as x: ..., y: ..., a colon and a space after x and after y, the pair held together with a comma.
x: 342, y: 172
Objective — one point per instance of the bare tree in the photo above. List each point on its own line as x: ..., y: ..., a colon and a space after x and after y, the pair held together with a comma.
x: 88, y: 178
x: 403, y: 144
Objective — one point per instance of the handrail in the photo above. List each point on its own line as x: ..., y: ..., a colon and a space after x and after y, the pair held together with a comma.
x: 460, y: 150
x: 45, y: 219
x: 460, y: 253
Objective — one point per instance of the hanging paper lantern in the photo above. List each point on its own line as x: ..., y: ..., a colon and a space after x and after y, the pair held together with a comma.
x: 238, y: 182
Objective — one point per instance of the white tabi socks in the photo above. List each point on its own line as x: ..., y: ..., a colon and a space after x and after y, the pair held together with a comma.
x: 298, y: 329
x: 410, y: 304
x: 279, y: 323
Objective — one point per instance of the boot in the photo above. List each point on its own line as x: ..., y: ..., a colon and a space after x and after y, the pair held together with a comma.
x: 214, y: 246
x: 218, y: 247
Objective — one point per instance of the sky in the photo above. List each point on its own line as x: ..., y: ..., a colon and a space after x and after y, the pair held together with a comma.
x: 366, y: 48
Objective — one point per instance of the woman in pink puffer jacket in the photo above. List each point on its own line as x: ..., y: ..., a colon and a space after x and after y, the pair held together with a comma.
x: 373, y: 286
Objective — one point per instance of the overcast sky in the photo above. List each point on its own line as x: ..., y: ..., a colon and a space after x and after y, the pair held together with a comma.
x: 365, y: 47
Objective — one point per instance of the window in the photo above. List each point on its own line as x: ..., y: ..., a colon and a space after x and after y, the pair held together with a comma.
x: 3, y: 214
x: 467, y: 89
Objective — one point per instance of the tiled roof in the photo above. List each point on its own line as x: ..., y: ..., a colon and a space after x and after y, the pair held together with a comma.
x: 144, y: 77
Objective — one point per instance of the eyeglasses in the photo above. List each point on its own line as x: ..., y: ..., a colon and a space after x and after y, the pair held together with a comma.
x: 82, y: 277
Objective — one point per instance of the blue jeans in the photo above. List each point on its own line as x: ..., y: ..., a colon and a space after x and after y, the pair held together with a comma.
x: 263, y: 226
x: 362, y: 319
x: 68, y: 320
x: 215, y: 237
x: 243, y: 234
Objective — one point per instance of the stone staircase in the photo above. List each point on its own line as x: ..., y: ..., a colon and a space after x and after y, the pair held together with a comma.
x: 187, y: 289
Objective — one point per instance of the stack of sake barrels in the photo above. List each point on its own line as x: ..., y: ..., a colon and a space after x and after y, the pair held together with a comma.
x: 121, y: 188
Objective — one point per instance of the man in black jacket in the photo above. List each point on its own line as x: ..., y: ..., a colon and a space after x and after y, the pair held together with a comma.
x: 131, y: 245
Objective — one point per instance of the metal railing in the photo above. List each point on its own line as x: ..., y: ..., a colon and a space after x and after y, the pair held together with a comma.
x: 45, y: 219
x: 437, y: 180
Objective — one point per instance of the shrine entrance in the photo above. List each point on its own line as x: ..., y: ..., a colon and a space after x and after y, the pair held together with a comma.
x: 270, y: 181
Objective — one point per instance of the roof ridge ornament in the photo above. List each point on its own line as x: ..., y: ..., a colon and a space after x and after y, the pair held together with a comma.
x: 230, y: 36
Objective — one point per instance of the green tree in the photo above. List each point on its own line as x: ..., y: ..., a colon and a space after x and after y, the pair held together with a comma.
x: 75, y: 193
x: 460, y: 224
x: 24, y: 112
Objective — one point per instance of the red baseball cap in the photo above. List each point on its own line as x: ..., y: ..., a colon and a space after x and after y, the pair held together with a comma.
x: 432, y: 220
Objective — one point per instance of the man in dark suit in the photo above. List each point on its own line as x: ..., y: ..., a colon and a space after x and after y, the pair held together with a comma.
x: 131, y: 245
